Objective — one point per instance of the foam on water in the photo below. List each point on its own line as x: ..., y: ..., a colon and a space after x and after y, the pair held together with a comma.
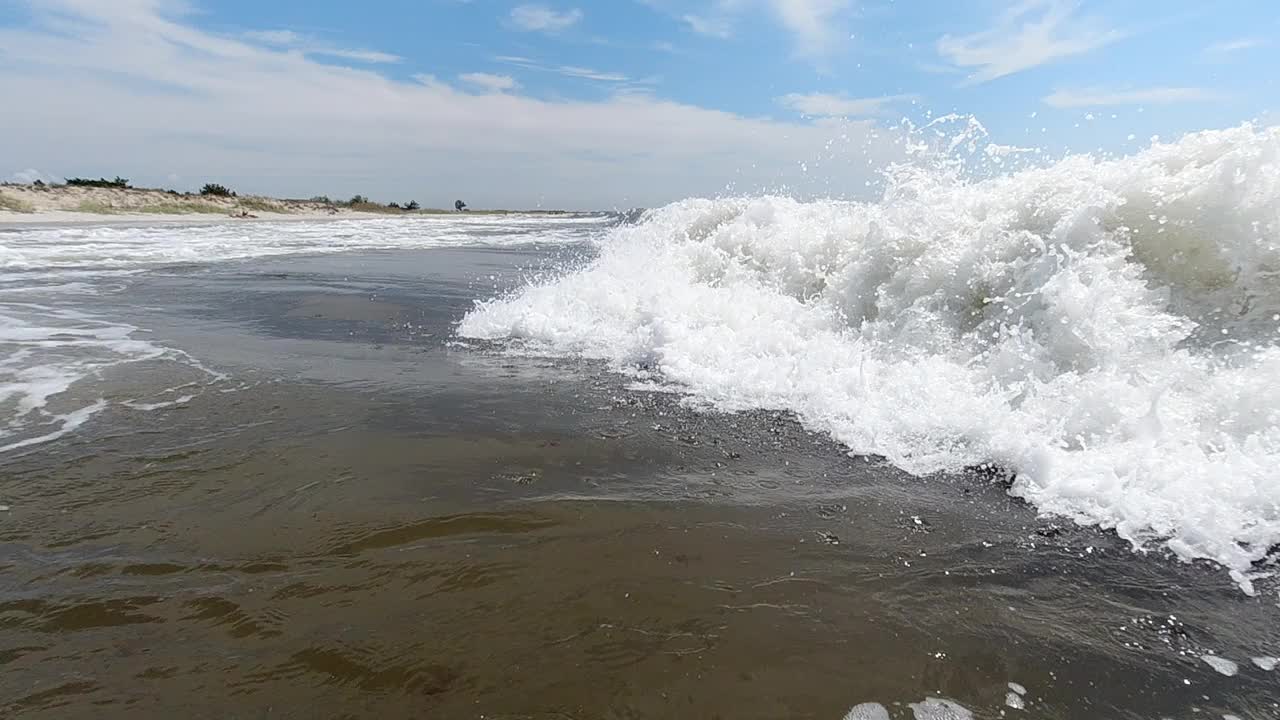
x: 867, y: 711
x: 50, y: 348
x: 45, y: 351
x: 939, y: 709
x: 93, y: 249
x: 1222, y: 665
x: 1107, y: 329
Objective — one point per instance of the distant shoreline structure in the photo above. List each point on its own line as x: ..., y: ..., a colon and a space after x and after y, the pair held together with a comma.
x: 82, y: 199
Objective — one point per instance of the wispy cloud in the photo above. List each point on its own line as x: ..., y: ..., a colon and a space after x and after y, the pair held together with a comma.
x: 1232, y: 46
x: 824, y: 105
x: 1030, y: 34
x: 1146, y: 96
x: 275, y: 37
x: 367, y: 56
x: 288, y: 39
x: 718, y: 27
x: 490, y: 82
x: 814, y: 23
x: 573, y: 71
x: 540, y: 18
x: 199, y: 104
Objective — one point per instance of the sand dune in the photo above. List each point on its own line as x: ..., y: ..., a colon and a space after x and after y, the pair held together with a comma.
x: 28, y: 204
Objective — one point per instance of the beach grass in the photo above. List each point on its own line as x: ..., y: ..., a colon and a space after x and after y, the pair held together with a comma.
x: 182, y: 208
x: 13, y: 204
x: 95, y: 207
x: 261, y: 205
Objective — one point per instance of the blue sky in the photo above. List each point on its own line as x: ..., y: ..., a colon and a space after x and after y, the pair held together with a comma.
x: 599, y: 104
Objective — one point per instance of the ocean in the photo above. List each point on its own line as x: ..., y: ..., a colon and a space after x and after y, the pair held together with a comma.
x: 988, y: 446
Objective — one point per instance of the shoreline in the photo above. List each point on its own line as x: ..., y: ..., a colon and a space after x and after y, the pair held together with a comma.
x: 28, y: 205
x: 60, y: 218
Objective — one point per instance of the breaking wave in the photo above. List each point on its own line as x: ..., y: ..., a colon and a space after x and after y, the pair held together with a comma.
x: 1107, y: 329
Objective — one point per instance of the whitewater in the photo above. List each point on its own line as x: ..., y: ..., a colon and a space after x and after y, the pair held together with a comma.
x: 56, y: 345
x: 1105, y: 330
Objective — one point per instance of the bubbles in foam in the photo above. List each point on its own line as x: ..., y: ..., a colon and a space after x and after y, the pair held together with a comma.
x: 48, y: 350
x: 867, y: 711
x: 1102, y: 328
x: 939, y: 709
x: 1222, y: 665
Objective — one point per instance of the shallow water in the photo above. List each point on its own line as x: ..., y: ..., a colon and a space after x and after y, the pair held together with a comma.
x: 317, y: 501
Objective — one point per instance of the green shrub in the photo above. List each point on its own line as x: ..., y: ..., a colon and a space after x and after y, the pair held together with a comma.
x: 119, y: 182
x: 216, y: 190
x: 412, y: 205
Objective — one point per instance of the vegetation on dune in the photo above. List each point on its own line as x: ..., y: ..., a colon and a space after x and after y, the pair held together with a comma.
x: 119, y: 183
x: 216, y: 190
x: 13, y: 204
x: 181, y: 208
x: 159, y: 201
x: 95, y: 207
x: 261, y: 205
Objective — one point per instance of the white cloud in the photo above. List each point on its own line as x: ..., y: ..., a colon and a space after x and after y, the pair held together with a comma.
x: 1237, y: 45
x: 540, y: 18
x: 717, y: 27
x: 367, y: 56
x: 31, y: 175
x: 814, y: 23
x: 167, y: 97
x: 275, y: 37
x: 492, y: 83
x: 823, y: 105
x: 1147, y: 96
x: 1030, y: 34
x: 573, y: 71
x: 310, y: 46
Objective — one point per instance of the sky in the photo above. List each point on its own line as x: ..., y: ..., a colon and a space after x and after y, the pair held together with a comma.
x: 600, y: 105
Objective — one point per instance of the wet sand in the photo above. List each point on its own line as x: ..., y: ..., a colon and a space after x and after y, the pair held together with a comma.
x: 365, y: 518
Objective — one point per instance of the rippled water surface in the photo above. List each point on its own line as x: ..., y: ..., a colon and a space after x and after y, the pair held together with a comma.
x: 311, y: 499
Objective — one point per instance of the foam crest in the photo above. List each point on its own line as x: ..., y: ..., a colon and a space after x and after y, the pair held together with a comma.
x: 100, y: 248
x: 1107, y: 329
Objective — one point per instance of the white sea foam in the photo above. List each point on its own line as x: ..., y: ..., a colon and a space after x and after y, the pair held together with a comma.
x: 44, y: 351
x: 1221, y: 665
x: 939, y: 709
x: 867, y: 711
x: 92, y: 249
x: 1266, y: 663
x: 49, y: 349
x: 1105, y: 328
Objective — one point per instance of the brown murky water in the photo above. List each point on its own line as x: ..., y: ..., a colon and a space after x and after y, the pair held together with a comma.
x: 365, y: 520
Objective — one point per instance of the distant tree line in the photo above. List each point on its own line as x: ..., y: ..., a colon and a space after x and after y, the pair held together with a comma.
x: 357, y: 202
x: 119, y: 182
